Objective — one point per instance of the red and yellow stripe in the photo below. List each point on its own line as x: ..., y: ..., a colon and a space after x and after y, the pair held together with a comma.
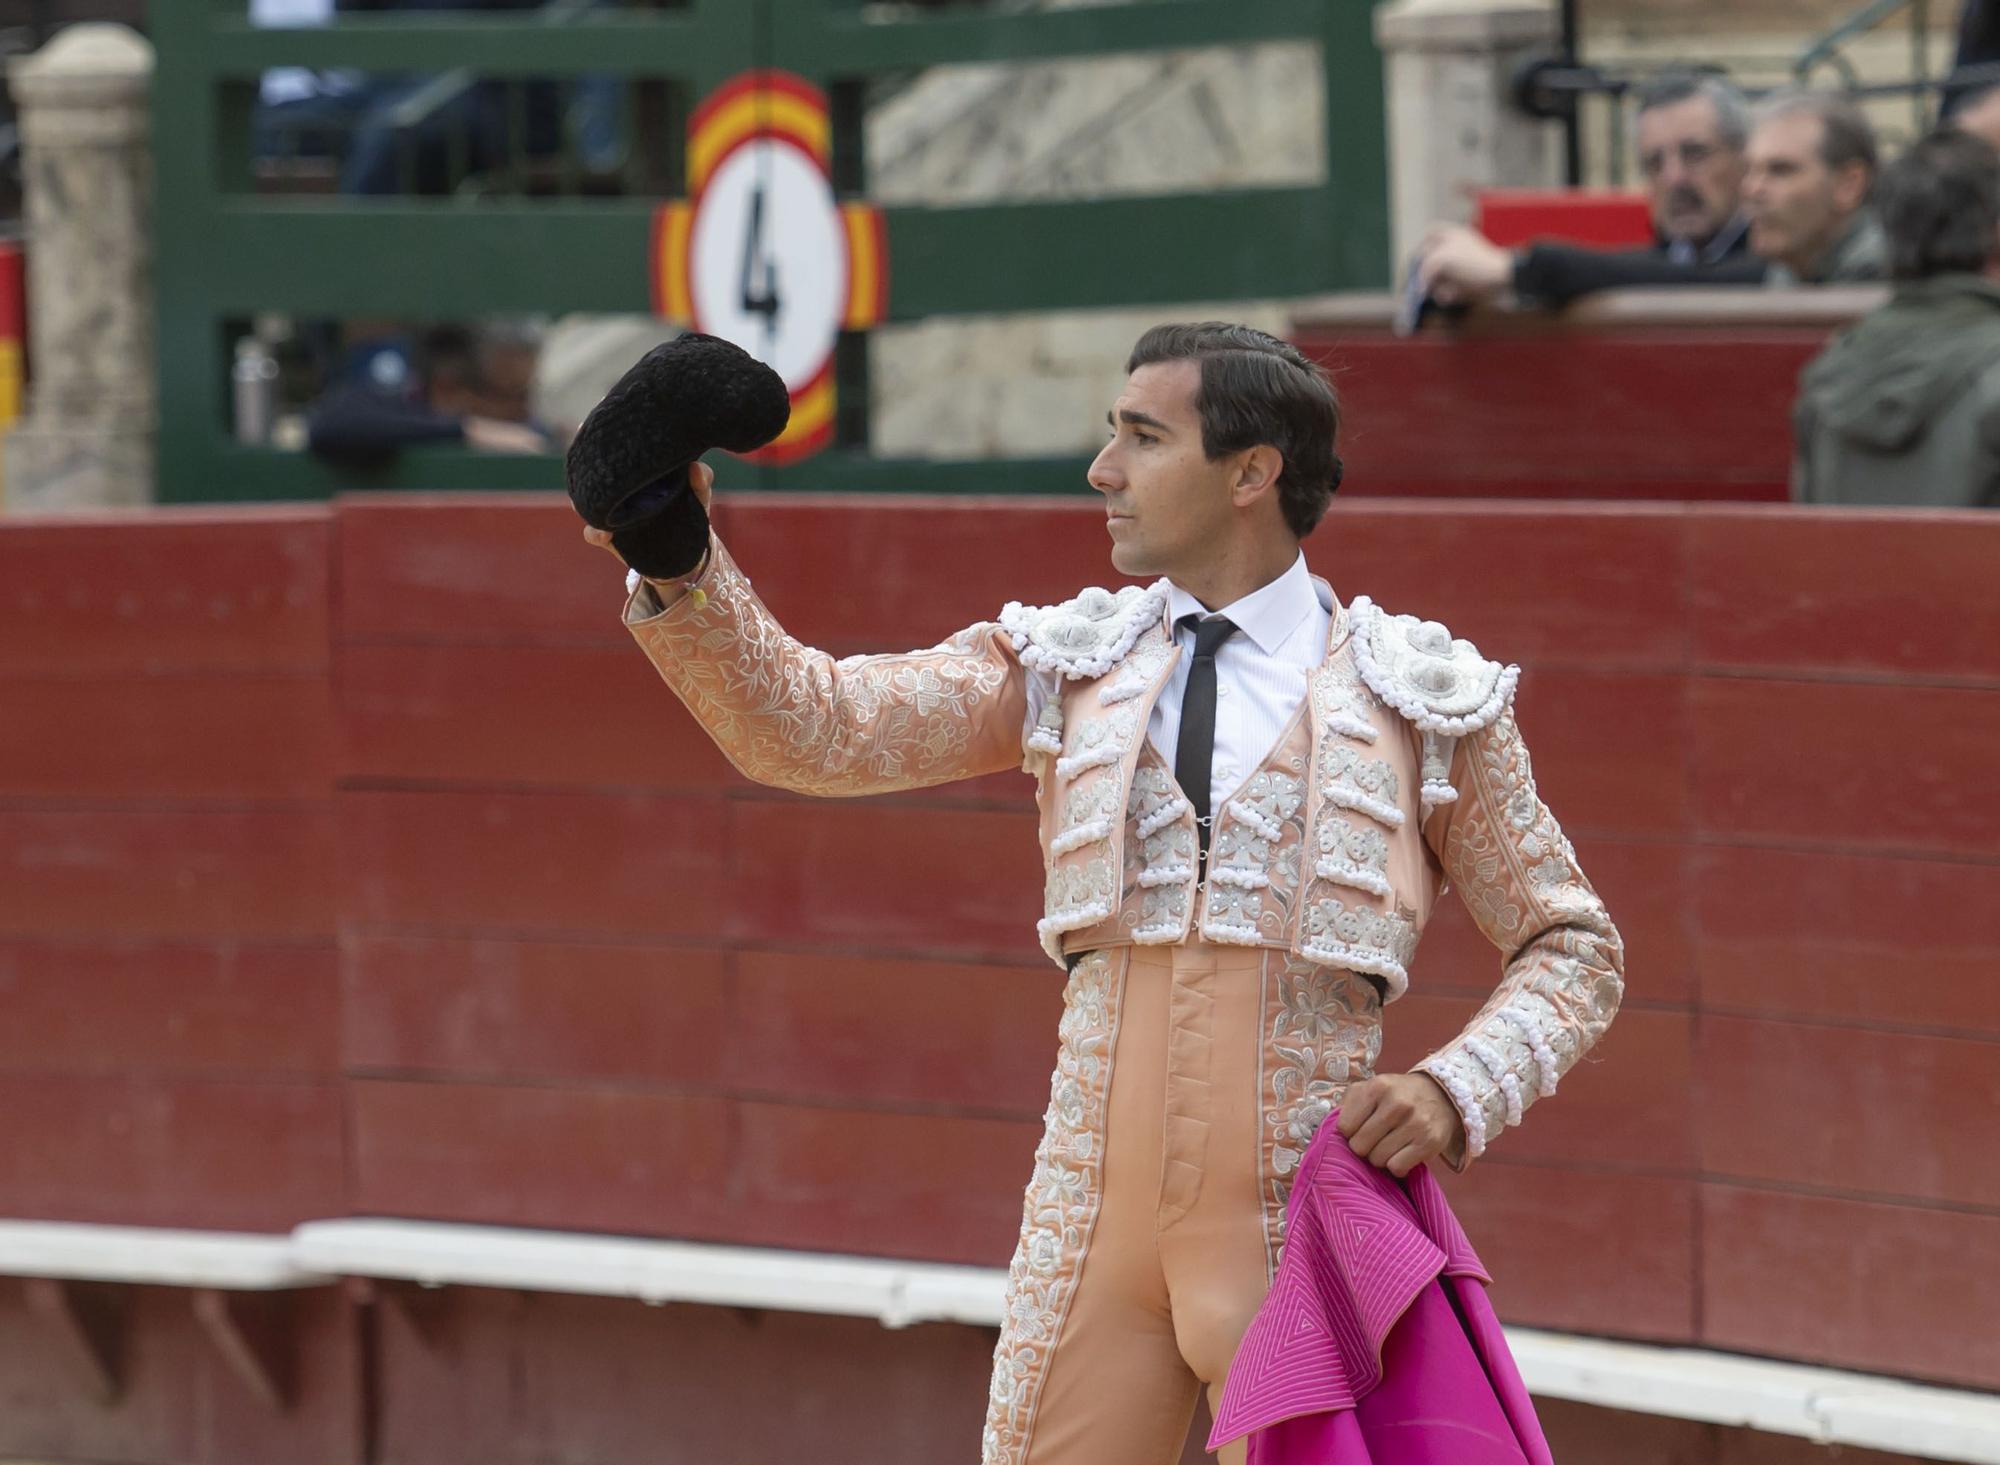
x: 758, y: 104
x: 673, y: 262
x: 811, y: 426
x: 867, y: 266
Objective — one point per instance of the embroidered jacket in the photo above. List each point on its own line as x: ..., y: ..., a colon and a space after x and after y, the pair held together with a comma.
x: 1401, y: 770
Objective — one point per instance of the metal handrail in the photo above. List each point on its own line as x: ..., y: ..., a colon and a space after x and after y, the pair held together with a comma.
x: 1830, y: 47
x: 448, y: 86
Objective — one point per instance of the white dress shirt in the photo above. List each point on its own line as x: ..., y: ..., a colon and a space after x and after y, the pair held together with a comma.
x: 1261, y: 674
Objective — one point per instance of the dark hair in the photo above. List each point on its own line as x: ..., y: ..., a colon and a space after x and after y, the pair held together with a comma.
x: 1940, y: 206
x: 1670, y: 89
x: 1964, y: 99
x: 1846, y: 135
x: 1257, y: 390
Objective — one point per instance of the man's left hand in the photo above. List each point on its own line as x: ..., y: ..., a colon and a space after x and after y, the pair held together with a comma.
x: 1399, y: 1120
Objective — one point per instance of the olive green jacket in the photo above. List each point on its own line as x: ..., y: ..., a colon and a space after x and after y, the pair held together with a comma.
x: 1904, y: 408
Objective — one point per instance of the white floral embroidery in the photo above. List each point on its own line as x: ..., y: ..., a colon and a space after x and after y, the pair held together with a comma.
x: 1163, y: 822
x: 1335, y: 698
x: 1059, y: 1211
x: 1360, y: 939
x: 795, y: 718
x: 1351, y: 780
x: 1518, y: 877
x: 1098, y: 742
x: 1251, y: 858
x: 1089, y: 809
x: 1323, y: 1032
x: 1163, y: 913
x: 1140, y: 668
x: 1353, y: 855
x: 1077, y: 896
x: 1047, y: 736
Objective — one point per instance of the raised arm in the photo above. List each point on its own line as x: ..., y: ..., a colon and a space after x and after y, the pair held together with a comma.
x: 1562, y: 962
x: 793, y: 717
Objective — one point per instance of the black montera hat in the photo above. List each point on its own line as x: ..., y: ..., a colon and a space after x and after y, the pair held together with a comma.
x: 628, y: 467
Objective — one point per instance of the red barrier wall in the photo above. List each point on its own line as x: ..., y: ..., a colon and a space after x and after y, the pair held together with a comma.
x: 353, y: 861
x: 1689, y: 394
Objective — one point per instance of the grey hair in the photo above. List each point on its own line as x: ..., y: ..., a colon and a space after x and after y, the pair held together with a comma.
x: 1846, y: 134
x: 1670, y: 89
x: 1940, y: 206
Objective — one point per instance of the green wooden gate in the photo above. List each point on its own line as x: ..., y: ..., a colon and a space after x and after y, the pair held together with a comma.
x: 225, y: 252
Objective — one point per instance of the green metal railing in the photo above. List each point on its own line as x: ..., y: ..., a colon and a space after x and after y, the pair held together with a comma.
x: 226, y: 252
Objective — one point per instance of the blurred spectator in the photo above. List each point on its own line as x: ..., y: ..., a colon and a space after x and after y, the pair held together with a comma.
x: 581, y: 359
x: 1905, y: 407
x: 1978, y: 45
x: 1978, y: 112
x: 455, y: 385
x: 397, y: 133
x: 1812, y: 163
x: 1691, y: 133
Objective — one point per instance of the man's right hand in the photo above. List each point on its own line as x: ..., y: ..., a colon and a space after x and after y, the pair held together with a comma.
x: 701, y: 478
x: 1461, y: 266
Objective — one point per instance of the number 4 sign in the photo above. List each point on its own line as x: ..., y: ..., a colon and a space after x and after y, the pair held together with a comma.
x: 762, y: 253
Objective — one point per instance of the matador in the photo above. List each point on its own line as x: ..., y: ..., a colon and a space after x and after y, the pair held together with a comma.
x: 1252, y: 796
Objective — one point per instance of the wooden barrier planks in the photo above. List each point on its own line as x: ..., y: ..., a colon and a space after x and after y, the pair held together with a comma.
x: 404, y: 885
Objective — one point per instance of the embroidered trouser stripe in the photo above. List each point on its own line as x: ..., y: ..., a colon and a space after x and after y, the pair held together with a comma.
x: 1150, y: 1236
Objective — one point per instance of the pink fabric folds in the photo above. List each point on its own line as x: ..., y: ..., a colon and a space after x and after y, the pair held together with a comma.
x: 1376, y: 1345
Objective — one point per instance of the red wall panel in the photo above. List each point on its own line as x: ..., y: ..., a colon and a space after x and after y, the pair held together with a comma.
x: 199, y: 736
x: 175, y: 590
x: 584, y: 1158
x: 809, y: 1026
x: 155, y: 869
x: 202, y: 1009
x: 1587, y: 1251
x: 205, y: 1153
x: 1865, y: 767
x: 450, y: 1008
x: 1881, y: 941
x: 1472, y: 411
x: 1872, y: 1091
x: 1887, y: 1288
x: 360, y: 863
x: 1895, y: 593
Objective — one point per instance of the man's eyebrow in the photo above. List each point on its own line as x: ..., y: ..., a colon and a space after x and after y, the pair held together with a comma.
x: 1136, y: 419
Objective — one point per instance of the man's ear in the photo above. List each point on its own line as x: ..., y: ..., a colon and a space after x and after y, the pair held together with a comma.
x: 1257, y: 475
x: 1850, y: 186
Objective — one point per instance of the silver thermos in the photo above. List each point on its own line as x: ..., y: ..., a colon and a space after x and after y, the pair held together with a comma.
x: 254, y: 382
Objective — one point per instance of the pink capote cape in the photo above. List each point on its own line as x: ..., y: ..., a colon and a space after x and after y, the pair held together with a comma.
x: 1376, y: 1345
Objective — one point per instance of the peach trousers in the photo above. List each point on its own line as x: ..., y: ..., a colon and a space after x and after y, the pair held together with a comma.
x: 1152, y: 1226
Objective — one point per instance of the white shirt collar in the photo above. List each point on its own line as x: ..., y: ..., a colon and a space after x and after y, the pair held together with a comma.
x: 1268, y: 615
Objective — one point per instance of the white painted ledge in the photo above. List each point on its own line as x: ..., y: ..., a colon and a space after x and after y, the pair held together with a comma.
x: 894, y: 1293
x: 150, y: 1256
x: 1823, y: 1404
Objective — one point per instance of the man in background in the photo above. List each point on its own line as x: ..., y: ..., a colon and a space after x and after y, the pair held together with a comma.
x: 450, y: 384
x: 1812, y: 163
x: 1691, y: 133
x: 1905, y: 407
x: 1978, y: 112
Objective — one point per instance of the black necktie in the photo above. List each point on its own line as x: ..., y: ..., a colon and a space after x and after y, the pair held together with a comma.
x: 1194, y: 755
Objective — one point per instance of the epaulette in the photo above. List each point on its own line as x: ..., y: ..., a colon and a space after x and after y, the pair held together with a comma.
x: 1086, y: 635
x: 1440, y: 684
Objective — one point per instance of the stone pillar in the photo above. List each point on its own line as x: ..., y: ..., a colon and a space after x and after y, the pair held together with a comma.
x: 1453, y: 126
x: 88, y: 438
